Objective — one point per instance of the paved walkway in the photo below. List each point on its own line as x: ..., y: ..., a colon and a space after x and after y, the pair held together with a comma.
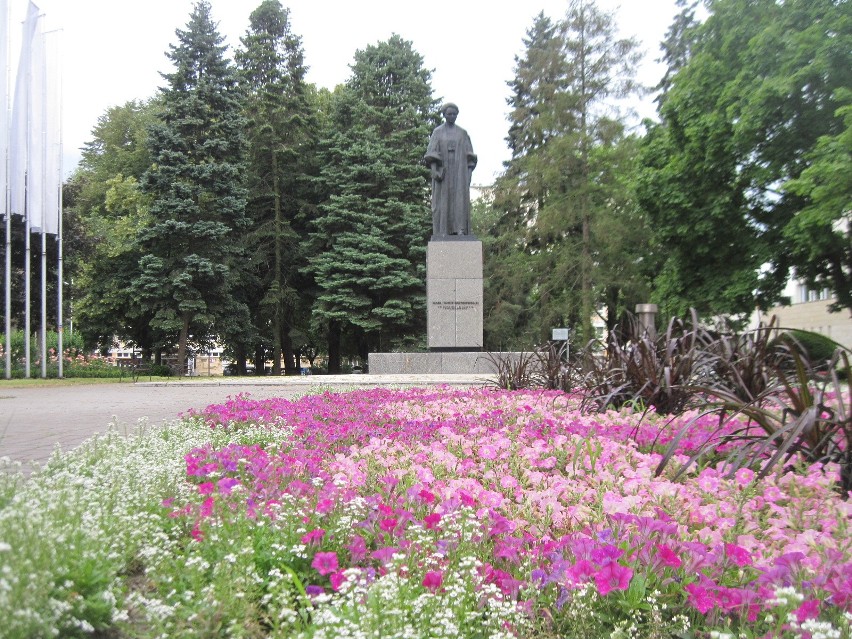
x: 34, y: 420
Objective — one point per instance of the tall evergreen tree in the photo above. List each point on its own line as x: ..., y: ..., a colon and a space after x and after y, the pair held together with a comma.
x: 281, y: 135
x: 568, y: 178
x: 369, y: 241
x: 197, y: 195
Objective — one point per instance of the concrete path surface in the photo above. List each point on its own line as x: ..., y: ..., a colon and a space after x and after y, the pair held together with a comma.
x: 34, y: 420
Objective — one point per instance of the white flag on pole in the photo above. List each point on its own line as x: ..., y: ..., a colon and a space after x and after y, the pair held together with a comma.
x: 52, y: 132
x: 37, y: 149
x: 21, y: 110
x: 5, y: 96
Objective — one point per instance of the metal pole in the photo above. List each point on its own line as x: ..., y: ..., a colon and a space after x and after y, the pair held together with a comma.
x: 60, y: 343
x: 43, y: 302
x: 7, y: 206
x: 27, y: 256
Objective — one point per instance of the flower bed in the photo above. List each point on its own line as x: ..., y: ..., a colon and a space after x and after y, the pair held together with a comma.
x: 448, y: 513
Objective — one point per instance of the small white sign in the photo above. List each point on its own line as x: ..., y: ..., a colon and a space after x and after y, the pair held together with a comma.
x: 561, y: 334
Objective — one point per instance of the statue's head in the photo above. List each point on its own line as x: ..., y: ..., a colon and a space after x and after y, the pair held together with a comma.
x: 450, y: 111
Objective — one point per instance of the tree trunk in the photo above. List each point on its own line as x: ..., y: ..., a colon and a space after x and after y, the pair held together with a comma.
x: 240, y: 359
x: 182, y: 340
x: 259, y: 360
x: 334, y: 348
x: 290, y: 367
x: 277, y: 312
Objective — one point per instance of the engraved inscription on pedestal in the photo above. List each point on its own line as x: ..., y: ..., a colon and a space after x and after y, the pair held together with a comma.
x: 454, y: 294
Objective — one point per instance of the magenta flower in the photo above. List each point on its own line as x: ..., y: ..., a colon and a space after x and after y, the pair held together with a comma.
x: 808, y: 610
x: 336, y: 579
x: 433, y: 580
x: 388, y: 524
x: 606, y: 554
x: 430, y: 522
x: 324, y: 506
x: 426, y: 496
x: 314, y: 536
x: 581, y: 571
x: 668, y: 557
x: 206, y: 488
x: 383, y: 554
x: 207, y: 507
x: 357, y: 548
x: 740, y: 556
x: 227, y: 484
x: 613, y: 576
x: 325, y: 562
x: 699, y: 598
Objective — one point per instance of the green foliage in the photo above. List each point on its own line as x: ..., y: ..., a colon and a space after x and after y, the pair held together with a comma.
x: 749, y: 165
x: 72, y: 344
x: 190, y: 262
x: 281, y: 135
x: 368, y: 241
x: 818, y: 348
x: 565, y: 238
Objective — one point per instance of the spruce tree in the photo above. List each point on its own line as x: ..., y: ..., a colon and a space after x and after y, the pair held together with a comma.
x: 369, y: 240
x: 197, y: 210
x: 281, y: 132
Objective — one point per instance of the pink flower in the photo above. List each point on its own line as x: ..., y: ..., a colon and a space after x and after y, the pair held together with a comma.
x: 613, y: 576
x: 740, y: 556
x: 388, y: 524
x: 430, y: 522
x: 487, y: 452
x: 207, y: 507
x: 314, y: 536
x: 325, y: 562
x: 433, y: 580
x: 426, y: 496
x: 336, y: 579
x: 324, y: 506
x: 700, y: 599
x: 206, y: 488
x: 227, y: 484
x: 668, y: 557
x: 808, y: 610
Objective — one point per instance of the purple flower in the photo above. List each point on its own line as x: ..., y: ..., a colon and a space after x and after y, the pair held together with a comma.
x: 226, y: 485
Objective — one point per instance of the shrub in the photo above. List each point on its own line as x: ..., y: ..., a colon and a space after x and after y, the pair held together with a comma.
x: 656, y: 372
x: 818, y: 348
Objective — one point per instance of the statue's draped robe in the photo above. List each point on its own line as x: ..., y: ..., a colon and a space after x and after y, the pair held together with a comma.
x: 451, y: 150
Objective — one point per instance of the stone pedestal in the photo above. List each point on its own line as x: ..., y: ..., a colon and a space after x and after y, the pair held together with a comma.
x: 454, y: 294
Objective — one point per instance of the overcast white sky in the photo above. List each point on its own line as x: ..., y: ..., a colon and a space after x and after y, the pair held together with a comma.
x: 114, y: 50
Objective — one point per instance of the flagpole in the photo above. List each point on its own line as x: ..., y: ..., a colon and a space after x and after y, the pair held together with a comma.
x: 60, y: 348
x: 7, y: 209
x: 44, y: 208
x: 27, y: 290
